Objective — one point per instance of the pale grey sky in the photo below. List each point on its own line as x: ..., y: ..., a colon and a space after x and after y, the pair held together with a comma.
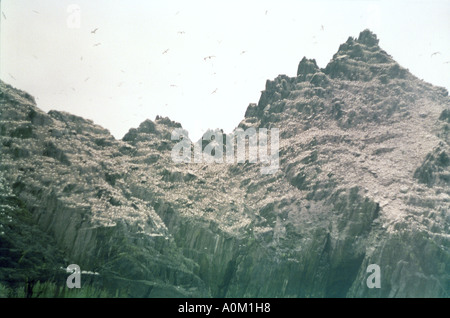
x: 147, y: 58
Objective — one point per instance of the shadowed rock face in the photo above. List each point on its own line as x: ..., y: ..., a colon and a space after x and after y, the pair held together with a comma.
x: 364, y: 178
x: 306, y: 67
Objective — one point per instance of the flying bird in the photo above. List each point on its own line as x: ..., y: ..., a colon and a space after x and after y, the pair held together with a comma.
x: 447, y: 62
x: 266, y: 12
x: 35, y: 12
x: 97, y: 44
x: 173, y: 85
x: 321, y: 28
x: 87, y: 78
x: 243, y: 52
x: 435, y: 53
x: 181, y: 32
x: 93, y: 31
x: 208, y: 57
x: 165, y: 51
x: 214, y: 91
x: 11, y: 76
x: 3, y: 13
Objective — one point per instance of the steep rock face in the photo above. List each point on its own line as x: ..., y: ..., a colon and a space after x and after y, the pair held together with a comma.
x: 66, y: 170
x: 363, y: 179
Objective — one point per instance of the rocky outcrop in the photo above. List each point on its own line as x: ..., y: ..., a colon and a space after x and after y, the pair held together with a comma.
x: 363, y: 179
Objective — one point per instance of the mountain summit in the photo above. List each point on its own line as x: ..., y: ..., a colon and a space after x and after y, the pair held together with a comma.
x: 363, y: 183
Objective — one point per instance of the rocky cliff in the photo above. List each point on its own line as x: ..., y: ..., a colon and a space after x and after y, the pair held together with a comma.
x: 363, y: 178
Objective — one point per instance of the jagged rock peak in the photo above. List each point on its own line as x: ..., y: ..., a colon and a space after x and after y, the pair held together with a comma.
x: 167, y: 122
x: 368, y: 38
x: 161, y: 128
x: 307, y: 66
x: 363, y: 60
x: 365, y: 49
x: 147, y: 126
x: 358, y: 59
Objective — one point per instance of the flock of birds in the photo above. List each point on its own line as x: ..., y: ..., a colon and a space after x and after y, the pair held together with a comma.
x: 166, y: 51
x: 209, y: 57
